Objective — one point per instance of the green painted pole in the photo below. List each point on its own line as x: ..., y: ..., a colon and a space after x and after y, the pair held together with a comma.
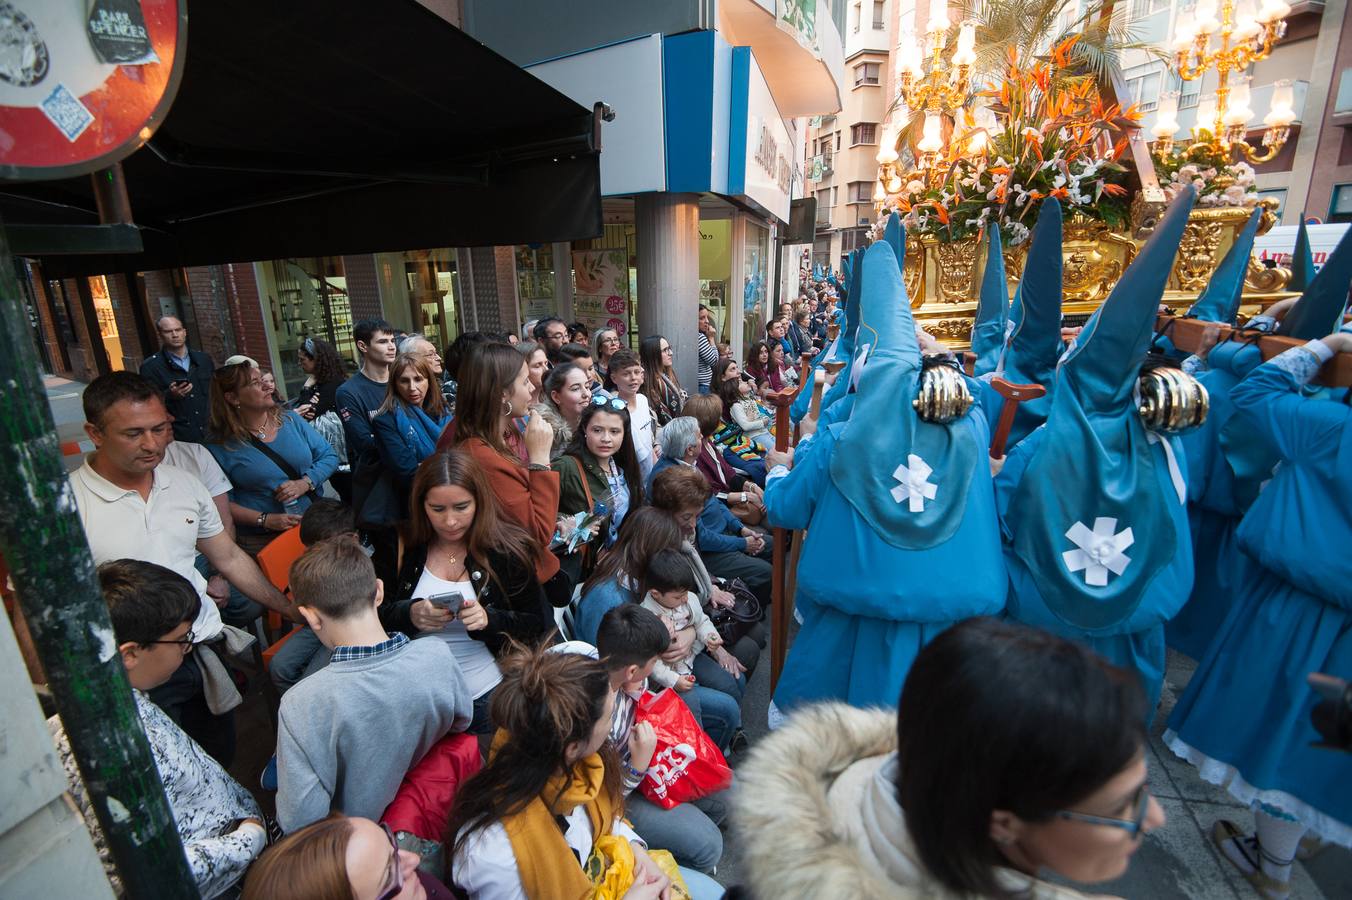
x: 44, y: 544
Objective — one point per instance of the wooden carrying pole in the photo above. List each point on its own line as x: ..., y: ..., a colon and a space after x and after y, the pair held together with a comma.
x: 1186, y: 335
x: 780, y: 598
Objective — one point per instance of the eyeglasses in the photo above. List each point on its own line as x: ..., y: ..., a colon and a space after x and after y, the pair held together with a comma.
x: 390, y: 891
x: 187, y: 640
x: 1131, y: 826
x: 614, y: 403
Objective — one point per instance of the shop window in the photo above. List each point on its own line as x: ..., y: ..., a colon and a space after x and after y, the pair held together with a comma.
x: 1340, y: 210
x: 866, y: 73
x: 309, y: 299
x: 434, y: 294
x: 535, y: 281
x: 755, y: 277
x: 864, y: 133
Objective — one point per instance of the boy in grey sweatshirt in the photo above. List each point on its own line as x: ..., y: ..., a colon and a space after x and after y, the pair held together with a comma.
x: 347, y: 734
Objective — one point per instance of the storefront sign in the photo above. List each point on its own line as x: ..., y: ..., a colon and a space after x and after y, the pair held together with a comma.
x: 761, y: 151
x: 601, y: 289
x: 84, y: 85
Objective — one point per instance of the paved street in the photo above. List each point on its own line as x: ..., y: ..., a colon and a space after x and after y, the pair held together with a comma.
x: 1178, y: 861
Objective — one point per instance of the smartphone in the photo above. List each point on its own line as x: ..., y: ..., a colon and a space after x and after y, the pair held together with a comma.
x: 451, y: 601
x: 179, y: 381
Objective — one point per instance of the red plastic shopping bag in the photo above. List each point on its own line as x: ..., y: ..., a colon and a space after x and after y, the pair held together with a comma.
x: 687, y: 765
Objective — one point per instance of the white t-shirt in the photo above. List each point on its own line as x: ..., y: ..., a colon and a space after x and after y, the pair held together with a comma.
x: 196, y: 459
x: 162, y: 529
x: 476, y: 660
x: 644, y: 430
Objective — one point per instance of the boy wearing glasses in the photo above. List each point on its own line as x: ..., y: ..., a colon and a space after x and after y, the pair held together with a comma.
x: 152, y: 611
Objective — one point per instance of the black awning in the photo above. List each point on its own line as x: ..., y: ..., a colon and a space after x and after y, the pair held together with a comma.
x: 314, y: 127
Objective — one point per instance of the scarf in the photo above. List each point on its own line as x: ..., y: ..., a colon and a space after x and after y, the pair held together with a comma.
x: 544, y: 860
x: 420, y: 429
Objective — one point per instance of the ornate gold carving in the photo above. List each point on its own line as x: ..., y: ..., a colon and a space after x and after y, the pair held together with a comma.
x: 1198, y: 254
x: 1261, y: 280
x: 913, y: 273
x: 955, y: 263
x: 951, y: 330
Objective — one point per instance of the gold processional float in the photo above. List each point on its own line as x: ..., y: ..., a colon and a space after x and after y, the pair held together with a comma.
x: 991, y: 130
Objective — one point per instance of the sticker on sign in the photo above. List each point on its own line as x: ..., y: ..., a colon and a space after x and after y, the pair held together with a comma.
x: 67, y: 113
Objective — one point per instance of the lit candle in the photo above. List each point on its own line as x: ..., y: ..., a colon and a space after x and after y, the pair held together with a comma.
x: 1283, y: 111
x: 930, y: 141
x: 879, y: 195
x: 1166, y: 118
x: 1206, y: 17
x: 910, y: 60
x: 894, y: 184
x: 1246, y: 25
x: 965, y: 55
x: 1206, y: 114
x: 1237, y: 110
x: 976, y: 144
x: 938, y: 16
x: 1272, y: 11
x: 887, y: 149
x: 1185, y: 32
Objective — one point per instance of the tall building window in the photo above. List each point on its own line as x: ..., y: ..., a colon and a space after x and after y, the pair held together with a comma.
x: 861, y: 192
x: 878, y: 23
x: 1340, y: 210
x: 864, y: 133
x: 1145, y: 90
x: 866, y: 73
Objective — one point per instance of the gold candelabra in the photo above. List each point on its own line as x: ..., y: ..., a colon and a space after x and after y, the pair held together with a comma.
x: 935, y: 86
x: 1222, y: 120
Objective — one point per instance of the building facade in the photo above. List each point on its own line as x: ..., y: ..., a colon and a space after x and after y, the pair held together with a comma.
x: 840, y: 167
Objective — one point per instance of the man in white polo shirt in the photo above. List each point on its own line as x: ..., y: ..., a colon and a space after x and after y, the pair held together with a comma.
x: 132, y: 507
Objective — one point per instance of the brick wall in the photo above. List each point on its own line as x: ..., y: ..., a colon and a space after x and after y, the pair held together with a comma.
x: 363, y: 286
x: 505, y: 258
x: 485, y: 309
x: 229, y: 315
x: 247, y: 312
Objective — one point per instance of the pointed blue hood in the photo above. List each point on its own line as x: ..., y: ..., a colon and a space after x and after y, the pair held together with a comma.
x: 833, y: 410
x: 841, y: 349
x: 1034, y: 342
x: 908, y: 479
x: 992, y: 311
x: 1088, y: 518
x: 1302, y: 260
x: 1319, y: 311
x: 1220, y: 301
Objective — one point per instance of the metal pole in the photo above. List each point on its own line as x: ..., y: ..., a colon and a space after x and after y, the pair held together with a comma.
x: 44, y: 543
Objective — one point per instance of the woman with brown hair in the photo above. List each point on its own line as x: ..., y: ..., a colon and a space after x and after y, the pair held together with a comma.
x: 550, y: 790
x: 341, y: 858
x: 275, y: 461
x: 407, y: 425
x: 660, y: 384
x: 495, y: 390
x: 615, y: 580
x: 466, y: 575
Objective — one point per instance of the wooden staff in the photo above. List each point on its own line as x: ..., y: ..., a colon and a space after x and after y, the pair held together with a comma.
x: 779, y: 595
x: 1014, y: 394
x: 1186, y: 335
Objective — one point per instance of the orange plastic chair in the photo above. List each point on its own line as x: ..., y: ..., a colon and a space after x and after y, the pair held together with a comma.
x: 275, y: 560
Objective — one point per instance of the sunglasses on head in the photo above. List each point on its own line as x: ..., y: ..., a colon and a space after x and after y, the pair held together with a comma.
x: 614, y: 403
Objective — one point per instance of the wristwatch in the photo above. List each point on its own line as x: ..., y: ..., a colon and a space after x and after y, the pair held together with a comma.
x: 262, y: 520
x: 743, y: 496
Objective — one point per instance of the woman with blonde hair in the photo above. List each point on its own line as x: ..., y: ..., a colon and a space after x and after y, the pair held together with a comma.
x: 274, y: 459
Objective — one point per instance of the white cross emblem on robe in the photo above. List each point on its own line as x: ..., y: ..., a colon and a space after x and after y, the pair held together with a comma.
x: 915, y: 486
x: 1099, y: 551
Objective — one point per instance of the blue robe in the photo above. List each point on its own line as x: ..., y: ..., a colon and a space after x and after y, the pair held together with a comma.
x: 1244, y: 719
x: 868, y: 606
x: 1137, y: 642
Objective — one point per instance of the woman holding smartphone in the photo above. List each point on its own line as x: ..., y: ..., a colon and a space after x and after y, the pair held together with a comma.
x: 466, y: 574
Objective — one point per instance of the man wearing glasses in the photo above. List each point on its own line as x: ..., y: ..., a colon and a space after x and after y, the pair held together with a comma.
x: 184, y: 379
x: 152, y: 611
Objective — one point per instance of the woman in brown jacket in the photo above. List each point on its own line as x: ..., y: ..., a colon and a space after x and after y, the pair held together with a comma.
x: 495, y: 389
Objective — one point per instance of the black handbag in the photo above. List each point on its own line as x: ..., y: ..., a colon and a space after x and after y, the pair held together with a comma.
x: 734, y: 624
